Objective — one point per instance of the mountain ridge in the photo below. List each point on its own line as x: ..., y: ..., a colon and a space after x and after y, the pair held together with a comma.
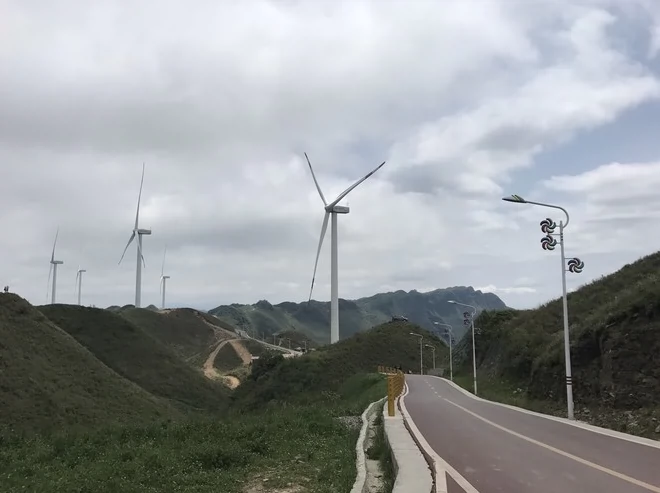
x: 313, y: 317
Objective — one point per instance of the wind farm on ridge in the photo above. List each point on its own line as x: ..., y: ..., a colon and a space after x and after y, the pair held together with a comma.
x: 331, y: 209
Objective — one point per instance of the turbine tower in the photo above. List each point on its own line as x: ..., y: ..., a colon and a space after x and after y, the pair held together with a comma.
x: 332, y: 209
x: 53, y: 268
x: 79, y: 282
x: 140, y: 258
x: 163, y: 279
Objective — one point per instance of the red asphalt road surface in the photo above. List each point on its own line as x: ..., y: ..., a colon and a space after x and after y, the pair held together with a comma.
x: 502, y: 450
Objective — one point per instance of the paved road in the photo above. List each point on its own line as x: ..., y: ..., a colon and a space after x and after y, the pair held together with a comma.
x: 501, y: 450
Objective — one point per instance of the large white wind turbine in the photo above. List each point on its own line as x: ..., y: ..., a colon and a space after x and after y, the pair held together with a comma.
x: 79, y: 282
x: 53, y: 268
x: 140, y: 258
x: 163, y: 279
x: 332, y: 209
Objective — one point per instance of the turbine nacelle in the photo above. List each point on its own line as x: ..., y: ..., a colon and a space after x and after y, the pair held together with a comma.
x: 57, y: 262
x: 338, y: 209
x: 143, y: 231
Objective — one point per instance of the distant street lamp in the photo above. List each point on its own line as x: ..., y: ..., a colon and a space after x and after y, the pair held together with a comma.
x: 432, y: 349
x: 450, y: 331
x: 421, y: 352
x: 574, y: 265
x: 468, y: 319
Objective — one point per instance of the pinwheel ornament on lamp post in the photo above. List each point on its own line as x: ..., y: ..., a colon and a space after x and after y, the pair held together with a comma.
x: 573, y: 265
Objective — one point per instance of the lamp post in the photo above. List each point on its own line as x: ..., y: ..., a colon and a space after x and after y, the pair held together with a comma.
x: 450, y: 331
x: 468, y: 319
x: 432, y: 349
x: 574, y: 265
x: 421, y: 352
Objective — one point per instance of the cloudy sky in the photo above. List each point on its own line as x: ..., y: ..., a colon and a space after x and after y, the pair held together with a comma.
x: 466, y: 100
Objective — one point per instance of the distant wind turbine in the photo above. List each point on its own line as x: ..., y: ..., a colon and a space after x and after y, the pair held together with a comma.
x: 79, y: 282
x: 140, y: 258
x: 53, y: 268
x: 332, y: 209
x: 163, y: 278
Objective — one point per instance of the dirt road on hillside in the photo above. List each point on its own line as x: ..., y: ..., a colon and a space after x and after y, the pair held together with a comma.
x: 242, y: 352
x: 212, y: 373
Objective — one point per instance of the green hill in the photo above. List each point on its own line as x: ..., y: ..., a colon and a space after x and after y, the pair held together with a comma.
x: 324, y: 371
x: 191, y: 334
x: 137, y: 356
x: 48, y: 380
x: 615, y: 342
x: 313, y: 318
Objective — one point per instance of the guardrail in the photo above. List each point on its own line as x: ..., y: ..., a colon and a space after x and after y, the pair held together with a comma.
x: 396, y: 380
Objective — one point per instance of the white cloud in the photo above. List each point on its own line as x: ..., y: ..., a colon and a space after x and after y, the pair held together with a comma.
x: 222, y: 100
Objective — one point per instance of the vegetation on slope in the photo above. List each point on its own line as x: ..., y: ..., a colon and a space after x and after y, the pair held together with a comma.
x: 47, y: 379
x: 227, y: 359
x: 313, y: 318
x: 323, y: 371
x: 134, y: 354
x: 298, y: 339
x: 179, y: 329
x: 615, y: 338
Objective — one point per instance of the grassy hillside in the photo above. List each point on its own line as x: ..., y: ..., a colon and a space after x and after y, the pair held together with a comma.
x: 190, y: 333
x: 323, y: 371
x: 47, y: 379
x: 137, y: 356
x: 313, y: 319
x: 615, y: 342
x: 298, y: 339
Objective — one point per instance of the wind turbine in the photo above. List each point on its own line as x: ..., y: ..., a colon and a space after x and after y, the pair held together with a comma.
x: 53, y: 268
x: 163, y: 278
x: 332, y: 209
x: 79, y: 282
x: 140, y: 258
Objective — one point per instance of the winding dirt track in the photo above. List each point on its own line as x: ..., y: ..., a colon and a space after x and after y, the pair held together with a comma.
x: 212, y: 373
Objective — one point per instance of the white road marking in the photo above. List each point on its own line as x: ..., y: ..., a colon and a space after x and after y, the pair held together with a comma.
x: 637, y: 482
x: 441, y: 466
x: 578, y: 424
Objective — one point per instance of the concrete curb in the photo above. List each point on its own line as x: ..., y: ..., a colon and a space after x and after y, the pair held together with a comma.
x: 439, y: 467
x: 410, y: 465
x: 360, y: 460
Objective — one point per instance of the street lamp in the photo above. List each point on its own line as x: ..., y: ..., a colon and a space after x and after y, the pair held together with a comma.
x: 574, y: 265
x: 432, y: 349
x: 450, y: 331
x: 468, y: 319
x: 421, y: 354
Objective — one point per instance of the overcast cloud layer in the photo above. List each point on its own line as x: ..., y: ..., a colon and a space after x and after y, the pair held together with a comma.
x: 467, y: 100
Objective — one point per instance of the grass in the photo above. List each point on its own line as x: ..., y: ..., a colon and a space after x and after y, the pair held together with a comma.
x: 284, y: 426
x: 136, y: 356
x: 324, y: 370
x: 285, y: 444
x: 182, y: 330
x: 194, y: 456
x: 380, y: 451
x: 48, y: 379
x: 227, y: 359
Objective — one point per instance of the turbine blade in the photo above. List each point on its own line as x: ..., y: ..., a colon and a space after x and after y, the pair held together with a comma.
x: 127, y: 245
x: 350, y: 189
x: 137, y: 214
x: 315, y: 181
x: 52, y: 256
x: 324, y: 228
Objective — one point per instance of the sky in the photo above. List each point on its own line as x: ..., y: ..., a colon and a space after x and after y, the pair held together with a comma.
x: 466, y: 100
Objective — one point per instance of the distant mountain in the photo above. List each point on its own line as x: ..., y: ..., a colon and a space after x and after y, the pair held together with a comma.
x: 313, y: 318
